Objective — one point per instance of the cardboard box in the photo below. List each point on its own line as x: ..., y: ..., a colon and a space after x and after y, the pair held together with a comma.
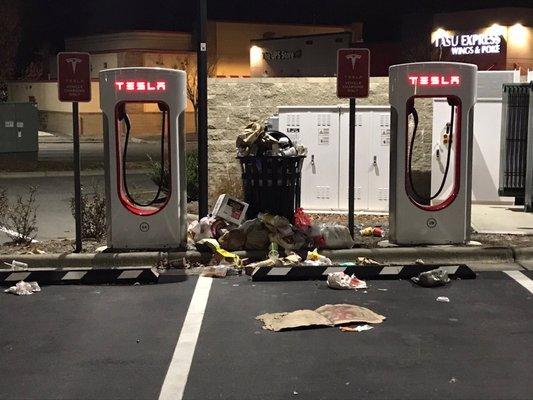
x: 230, y: 209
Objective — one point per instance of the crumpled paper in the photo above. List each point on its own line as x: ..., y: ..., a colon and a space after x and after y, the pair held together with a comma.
x: 340, y: 280
x: 24, y: 288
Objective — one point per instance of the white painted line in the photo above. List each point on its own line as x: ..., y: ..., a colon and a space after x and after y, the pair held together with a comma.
x: 73, y: 275
x: 450, y: 269
x: 389, y: 271
x: 180, y: 365
x: 521, y: 279
x: 279, y: 271
x: 331, y: 270
x: 17, y: 276
x: 134, y: 274
x: 14, y: 233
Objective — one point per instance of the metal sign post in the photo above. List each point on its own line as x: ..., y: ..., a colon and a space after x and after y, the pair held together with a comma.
x: 74, y: 85
x: 353, y: 76
x: 202, y: 108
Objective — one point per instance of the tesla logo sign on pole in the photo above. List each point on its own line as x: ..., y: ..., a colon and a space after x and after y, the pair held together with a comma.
x: 74, y: 77
x: 353, y: 72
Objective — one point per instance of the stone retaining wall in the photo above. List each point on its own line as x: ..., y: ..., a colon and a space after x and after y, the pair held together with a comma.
x: 234, y: 102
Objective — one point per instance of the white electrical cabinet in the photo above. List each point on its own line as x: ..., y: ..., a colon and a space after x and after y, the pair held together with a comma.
x: 486, y: 151
x: 324, y: 131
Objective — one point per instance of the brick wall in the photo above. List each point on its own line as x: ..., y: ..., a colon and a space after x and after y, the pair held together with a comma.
x: 234, y: 102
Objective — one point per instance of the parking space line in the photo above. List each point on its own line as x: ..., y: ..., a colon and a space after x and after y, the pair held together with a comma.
x: 180, y: 365
x: 521, y: 279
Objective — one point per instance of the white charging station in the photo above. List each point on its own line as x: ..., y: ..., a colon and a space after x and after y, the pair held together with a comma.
x: 441, y: 215
x: 159, y: 223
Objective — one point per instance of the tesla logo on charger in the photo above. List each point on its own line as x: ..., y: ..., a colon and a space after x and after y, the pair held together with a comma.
x: 141, y: 86
x: 434, y: 80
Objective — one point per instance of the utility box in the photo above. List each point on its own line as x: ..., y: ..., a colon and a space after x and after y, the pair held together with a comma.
x: 324, y: 131
x: 19, y: 128
x: 486, y: 137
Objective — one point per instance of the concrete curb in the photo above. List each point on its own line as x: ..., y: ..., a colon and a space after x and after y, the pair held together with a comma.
x: 445, y: 255
x: 85, y: 260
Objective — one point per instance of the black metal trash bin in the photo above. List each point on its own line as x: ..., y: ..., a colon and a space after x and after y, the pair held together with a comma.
x: 272, y: 184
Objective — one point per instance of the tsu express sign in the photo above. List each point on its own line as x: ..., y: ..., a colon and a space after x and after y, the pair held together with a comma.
x: 353, y: 73
x: 74, y: 77
x: 486, y: 51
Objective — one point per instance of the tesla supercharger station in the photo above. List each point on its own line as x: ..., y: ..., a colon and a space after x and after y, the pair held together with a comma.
x: 441, y: 215
x: 160, y: 221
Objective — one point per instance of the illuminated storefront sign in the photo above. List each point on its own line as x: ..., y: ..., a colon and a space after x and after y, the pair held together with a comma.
x: 471, y: 44
x: 281, y: 55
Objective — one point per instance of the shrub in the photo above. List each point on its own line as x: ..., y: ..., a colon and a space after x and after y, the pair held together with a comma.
x: 191, y: 161
x: 93, y: 211
x: 229, y: 183
x: 191, y: 165
x: 20, y: 218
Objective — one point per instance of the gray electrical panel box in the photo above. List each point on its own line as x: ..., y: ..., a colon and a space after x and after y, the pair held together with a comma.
x: 19, y: 128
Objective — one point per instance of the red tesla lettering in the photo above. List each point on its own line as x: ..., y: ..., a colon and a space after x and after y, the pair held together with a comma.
x: 434, y: 80
x: 141, y: 86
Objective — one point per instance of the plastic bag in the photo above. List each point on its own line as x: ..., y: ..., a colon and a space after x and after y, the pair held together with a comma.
x: 335, y: 237
x: 233, y: 240
x: 315, y: 259
x: 256, y: 235
x: 24, y: 288
x: 433, y: 278
x: 301, y: 220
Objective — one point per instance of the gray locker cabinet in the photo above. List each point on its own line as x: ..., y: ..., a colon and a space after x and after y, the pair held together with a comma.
x: 19, y: 128
x: 324, y: 131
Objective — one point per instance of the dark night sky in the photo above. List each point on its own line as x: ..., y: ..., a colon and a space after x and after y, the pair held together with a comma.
x: 49, y: 21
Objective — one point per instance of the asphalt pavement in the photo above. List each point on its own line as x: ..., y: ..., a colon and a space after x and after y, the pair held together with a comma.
x: 116, y: 342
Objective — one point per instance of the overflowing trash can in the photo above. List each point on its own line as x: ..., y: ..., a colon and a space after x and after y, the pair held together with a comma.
x: 271, y: 171
x: 272, y: 184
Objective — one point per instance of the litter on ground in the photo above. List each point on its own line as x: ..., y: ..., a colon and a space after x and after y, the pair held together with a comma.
x: 358, y: 328
x: 340, y: 280
x: 326, y: 316
x: 24, y: 288
x: 443, y: 299
x: 433, y: 278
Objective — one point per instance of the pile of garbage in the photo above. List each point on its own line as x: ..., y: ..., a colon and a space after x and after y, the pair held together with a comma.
x: 225, y: 230
x: 256, y: 140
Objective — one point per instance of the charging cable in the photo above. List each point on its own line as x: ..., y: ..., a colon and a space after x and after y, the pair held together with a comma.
x: 122, y: 116
x: 449, y: 131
